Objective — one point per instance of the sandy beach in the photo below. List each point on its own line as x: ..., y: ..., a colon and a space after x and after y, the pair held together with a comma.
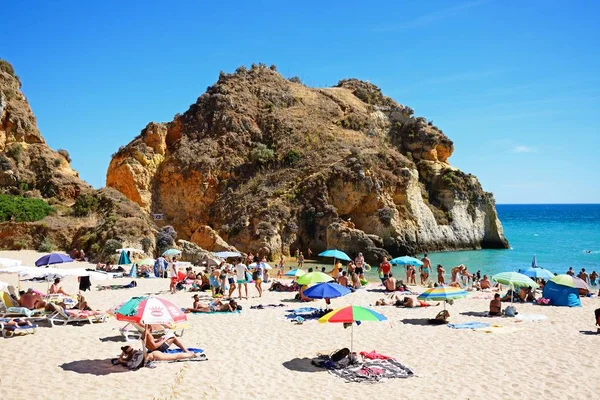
x: 257, y: 354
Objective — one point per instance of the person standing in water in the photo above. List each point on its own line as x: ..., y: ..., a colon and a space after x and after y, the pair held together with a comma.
x: 425, y: 269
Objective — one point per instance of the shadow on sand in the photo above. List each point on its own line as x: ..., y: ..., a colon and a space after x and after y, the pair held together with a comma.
x: 422, y: 321
x: 94, y: 367
x: 302, y: 365
x: 589, y: 333
x: 117, y: 338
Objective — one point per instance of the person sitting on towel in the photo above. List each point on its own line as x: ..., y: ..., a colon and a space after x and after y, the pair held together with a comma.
x: 390, y: 283
x: 56, y: 288
x: 496, y: 305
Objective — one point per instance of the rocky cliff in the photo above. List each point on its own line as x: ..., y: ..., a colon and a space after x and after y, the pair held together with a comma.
x: 82, y: 217
x: 264, y: 163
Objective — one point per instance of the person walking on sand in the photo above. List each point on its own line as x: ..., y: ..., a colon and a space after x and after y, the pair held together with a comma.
x: 173, y: 276
x: 384, y: 270
x: 297, y: 254
x: 309, y: 253
x: 425, y: 269
x: 240, y: 272
x: 258, y: 277
x: 300, y: 260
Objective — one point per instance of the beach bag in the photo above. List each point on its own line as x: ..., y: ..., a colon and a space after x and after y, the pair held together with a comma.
x: 340, y: 354
x: 136, y: 361
x: 510, y: 311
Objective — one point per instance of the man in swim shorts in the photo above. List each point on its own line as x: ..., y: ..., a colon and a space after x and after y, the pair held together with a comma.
x: 240, y: 272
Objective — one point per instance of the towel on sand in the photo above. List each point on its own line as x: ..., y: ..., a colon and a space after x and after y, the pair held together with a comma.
x: 496, y: 329
x: 374, y: 371
x: 531, y: 317
x: 192, y: 349
x: 469, y: 325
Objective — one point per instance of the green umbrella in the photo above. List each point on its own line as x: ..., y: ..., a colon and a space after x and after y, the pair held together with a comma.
x: 314, y: 277
x: 146, y: 261
x: 515, y: 279
x: 171, y: 252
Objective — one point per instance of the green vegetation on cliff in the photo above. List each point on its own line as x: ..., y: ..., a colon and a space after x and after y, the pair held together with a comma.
x: 21, y: 209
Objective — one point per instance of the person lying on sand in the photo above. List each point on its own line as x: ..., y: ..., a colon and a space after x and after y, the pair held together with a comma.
x: 128, y: 351
x: 407, y: 302
x: 162, y: 344
x: 213, y: 306
x: 496, y: 306
x: 280, y: 287
x: 31, y: 300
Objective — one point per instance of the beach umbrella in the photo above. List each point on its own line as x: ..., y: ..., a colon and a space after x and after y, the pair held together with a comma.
x: 351, y: 314
x: 124, y: 259
x: 314, y: 277
x: 171, y: 252
x: 406, y: 260
x: 326, y: 290
x: 210, y: 261
x: 570, y: 281
x: 534, y: 262
x: 149, y: 310
x: 227, y: 254
x: 442, y: 293
x: 146, y: 261
x: 514, y: 279
x: 336, y: 254
x: 9, y: 262
x: 54, y: 258
x: 537, y: 272
x: 295, y: 272
x: 262, y: 264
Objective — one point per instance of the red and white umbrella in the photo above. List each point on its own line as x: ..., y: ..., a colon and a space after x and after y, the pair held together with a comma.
x: 149, y: 310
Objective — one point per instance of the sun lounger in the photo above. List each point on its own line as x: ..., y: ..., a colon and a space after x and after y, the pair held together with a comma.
x: 10, y: 331
x: 132, y: 331
x: 63, y: 317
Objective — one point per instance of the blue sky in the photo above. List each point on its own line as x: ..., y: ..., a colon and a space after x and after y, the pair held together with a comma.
x: 514, y: 84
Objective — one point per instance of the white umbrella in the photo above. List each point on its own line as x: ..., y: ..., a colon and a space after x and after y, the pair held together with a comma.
x: 262, y: 264
x: 131, y: 249
x: 3, y: 286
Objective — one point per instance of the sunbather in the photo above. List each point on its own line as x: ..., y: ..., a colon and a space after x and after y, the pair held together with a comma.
x: 280, y: 287
x: 31, y: 300
x: 81, y: 304
x: 56, y: 288
x: 17, y: 322
x: 409, y: 302
x: 162, y: 344
x: 213, y: 306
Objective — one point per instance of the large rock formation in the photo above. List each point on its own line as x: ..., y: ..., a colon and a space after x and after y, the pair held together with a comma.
x: 96, y: 221
x: 268, y: 164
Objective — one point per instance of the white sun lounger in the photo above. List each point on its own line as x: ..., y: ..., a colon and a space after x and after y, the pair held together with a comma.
x: 62, y: 317
x: 10, y: 331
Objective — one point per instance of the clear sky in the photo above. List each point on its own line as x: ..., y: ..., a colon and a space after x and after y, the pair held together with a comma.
x: 514, y: 84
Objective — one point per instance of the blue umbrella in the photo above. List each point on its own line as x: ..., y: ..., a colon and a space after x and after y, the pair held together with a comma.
x: 54, y: 258
x: 124, y: 258
x: 534, y: 262
x: 406, y: 260
x: 340, y: 255
x: 326, y: 290
x: 538, y: 273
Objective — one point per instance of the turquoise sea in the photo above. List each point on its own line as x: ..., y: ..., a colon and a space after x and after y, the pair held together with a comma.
x: 560, y: 235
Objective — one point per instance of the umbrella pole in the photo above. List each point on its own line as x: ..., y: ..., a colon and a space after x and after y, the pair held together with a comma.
x: 352, y: 338
x: 143, y: 341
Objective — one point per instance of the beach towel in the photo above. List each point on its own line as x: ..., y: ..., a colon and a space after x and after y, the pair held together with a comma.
x: 469, y: 325
x: 20, y: 310
x: 192, y: 349
x: 374, y: 355
x: 307, y: 313
x: 374, y: 371
x: 531, y: 317
x: 263, y: 306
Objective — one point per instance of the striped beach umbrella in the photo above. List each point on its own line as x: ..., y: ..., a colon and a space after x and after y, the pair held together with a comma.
x: 442, y: 293
x: 514, y: 279
x: 570, y: 281
x: 351, y: 314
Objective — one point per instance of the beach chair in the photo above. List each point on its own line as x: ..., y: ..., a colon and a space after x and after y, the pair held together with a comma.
x: 132, y: 331
x: 10, y: 331
x: 64, y: 317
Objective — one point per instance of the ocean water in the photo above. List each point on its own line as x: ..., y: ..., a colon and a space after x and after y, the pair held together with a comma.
x: 560, y: 236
